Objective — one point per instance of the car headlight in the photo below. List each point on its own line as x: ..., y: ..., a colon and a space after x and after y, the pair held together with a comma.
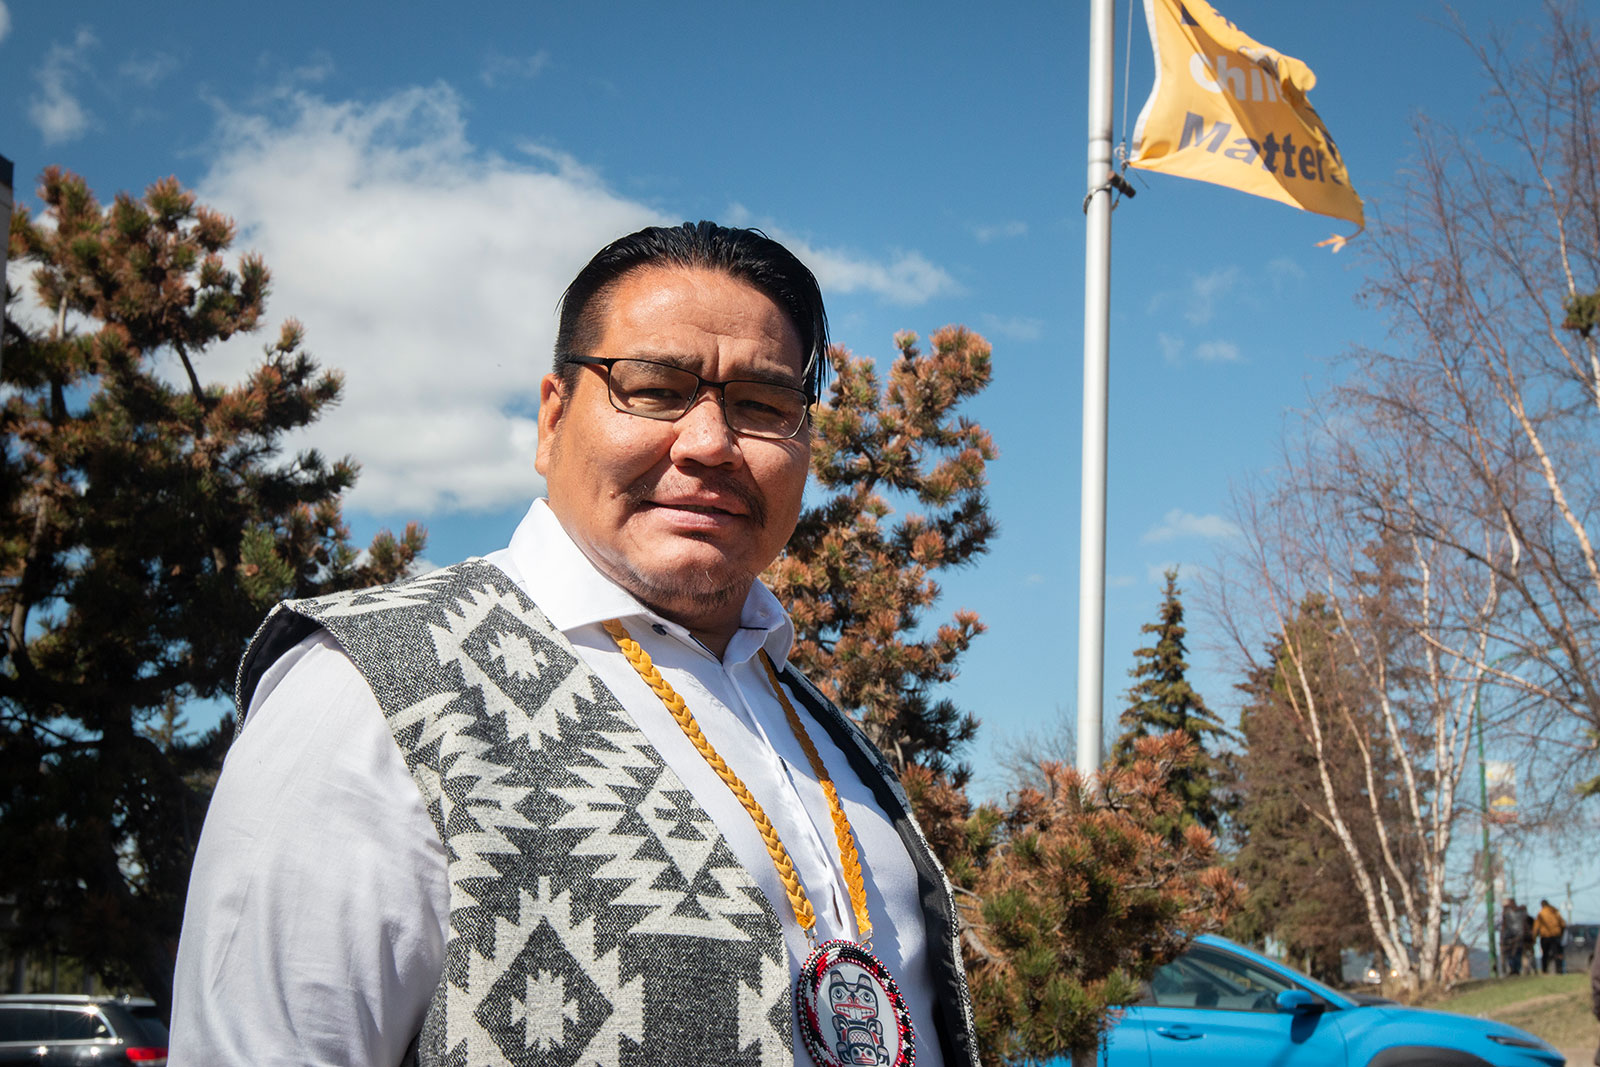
x: 1518, y: 1042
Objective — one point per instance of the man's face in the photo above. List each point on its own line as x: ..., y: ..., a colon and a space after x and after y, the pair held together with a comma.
x: 682, y: 514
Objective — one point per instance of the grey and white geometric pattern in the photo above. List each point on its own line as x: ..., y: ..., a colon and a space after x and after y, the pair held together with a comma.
x: 598, y: 918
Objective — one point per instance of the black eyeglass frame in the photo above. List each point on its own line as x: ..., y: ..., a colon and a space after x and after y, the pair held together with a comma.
x: 702, y: 384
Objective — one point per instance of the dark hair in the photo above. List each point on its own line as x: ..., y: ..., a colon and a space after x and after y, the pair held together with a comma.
x: 749, y: 256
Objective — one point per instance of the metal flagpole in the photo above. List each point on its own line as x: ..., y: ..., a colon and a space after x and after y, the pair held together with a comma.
x: 1096, y: 337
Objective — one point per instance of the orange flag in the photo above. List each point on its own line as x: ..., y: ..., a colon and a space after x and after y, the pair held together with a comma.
x: 1228, y: 110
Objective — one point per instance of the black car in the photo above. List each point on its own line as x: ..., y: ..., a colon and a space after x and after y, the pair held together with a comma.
x: 1581, y: 939
x: 55, y: 1028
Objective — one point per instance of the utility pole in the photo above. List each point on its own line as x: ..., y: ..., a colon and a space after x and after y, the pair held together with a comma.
x: 1483, y: 799
x: 1488, y: 856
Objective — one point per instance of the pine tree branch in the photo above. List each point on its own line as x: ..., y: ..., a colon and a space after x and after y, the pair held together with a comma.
x: 194, y: 385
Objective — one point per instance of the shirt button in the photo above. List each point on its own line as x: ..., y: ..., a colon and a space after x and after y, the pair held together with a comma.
x: 659, y: 629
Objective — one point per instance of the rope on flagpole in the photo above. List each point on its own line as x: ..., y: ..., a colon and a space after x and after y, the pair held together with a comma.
x: 1127, y: 68
x: 1116, y: 177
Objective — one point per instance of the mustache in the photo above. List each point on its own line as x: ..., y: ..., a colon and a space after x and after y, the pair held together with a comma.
x: 725, y: 485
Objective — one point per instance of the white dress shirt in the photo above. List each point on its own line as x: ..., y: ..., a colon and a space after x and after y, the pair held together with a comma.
x: 318, y: 907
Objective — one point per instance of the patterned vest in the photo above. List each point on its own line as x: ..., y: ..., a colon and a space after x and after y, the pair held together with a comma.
x: 597, y: 915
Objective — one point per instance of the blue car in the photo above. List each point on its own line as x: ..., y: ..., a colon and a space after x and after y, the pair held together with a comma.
x: 1219, y: 1003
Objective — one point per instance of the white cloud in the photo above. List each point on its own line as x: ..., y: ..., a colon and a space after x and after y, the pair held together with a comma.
x: 1282, y: 270
x: 1178, y: 523
x: 5, y: 20
x: 563, y: 163
x: 1015, y: 327
x: 1171, y: 346
x: 908, y: 278
x: 1120, y: 581
x: 423, y: 268
x: 498, y: 68
x: 148, y: 71
x: 1175, y: 348
x: 1014, y: 228
x: 55, y: 109
x: 317, y: 68
x: 1204, y: 290
x: 1217, y: 352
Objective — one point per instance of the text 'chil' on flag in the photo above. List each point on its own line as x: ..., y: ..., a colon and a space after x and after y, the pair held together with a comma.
x: 1228, y: 110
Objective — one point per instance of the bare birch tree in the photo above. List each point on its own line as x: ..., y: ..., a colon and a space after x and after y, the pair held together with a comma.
x: 1362, y: 629
x: 1432, y: 532
x: 1489, y: 266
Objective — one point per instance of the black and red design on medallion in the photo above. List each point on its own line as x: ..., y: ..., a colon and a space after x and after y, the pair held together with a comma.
x: 851, y: 1010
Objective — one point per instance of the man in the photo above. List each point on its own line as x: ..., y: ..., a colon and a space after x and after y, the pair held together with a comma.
x: 1511, y: 936
x: 1454, y: 966
x: 552, y: 806
x: 1525, y: 943
x: 1548, y: 927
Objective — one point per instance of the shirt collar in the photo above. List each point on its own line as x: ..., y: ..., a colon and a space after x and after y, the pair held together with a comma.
x: 572, y: 593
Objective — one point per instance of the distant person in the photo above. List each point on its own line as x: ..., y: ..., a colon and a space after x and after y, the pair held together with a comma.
x: 1525, y: 943
x: 1510, y: 937
x: 1548, y: 928
x: 1454, y: 968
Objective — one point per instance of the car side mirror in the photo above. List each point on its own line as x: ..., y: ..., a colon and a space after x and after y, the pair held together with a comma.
x: 1297, y: 1002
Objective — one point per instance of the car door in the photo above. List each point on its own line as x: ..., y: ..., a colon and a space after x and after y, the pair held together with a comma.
x: 1211, y: 1007
x: 1124, y: 1046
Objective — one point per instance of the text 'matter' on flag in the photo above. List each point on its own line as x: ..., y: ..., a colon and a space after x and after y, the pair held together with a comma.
x: 1228, y: 110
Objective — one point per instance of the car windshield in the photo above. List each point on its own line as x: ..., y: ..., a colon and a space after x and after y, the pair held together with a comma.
x: 1206, y: 977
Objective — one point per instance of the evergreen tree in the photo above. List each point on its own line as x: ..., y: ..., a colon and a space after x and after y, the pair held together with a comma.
x: 857, y: 579
x: 1163, y: 701
x: 1301, y: 890
x: 145, y: 528
x: 1086, y: 895
x: 1304, y: 891
x: 1075, y: 892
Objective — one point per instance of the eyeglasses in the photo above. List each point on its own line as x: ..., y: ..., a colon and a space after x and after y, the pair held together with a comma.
x: 661, y: 391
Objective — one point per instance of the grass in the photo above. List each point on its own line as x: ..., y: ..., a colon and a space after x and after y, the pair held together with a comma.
x: 1553, y: 1006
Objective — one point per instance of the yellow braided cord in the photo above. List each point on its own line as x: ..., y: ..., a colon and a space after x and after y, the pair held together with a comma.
x: 849, y: 858
x: 640, y: 660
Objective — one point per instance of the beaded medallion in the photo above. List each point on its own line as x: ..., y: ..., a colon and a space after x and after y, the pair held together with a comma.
x: 852, y: 1013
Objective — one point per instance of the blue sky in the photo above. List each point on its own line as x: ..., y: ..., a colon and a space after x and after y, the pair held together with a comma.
x: 423, y: 185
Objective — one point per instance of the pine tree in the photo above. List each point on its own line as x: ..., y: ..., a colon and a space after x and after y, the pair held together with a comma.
x: 1086, y: 895
x: 857, y: 580
x: 1303, y: 888
x: 1163, y: 701
x: 1301, y: 891
x: 146, y: 525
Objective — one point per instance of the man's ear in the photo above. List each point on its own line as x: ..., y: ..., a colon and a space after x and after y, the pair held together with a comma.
x: 552, y: 402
